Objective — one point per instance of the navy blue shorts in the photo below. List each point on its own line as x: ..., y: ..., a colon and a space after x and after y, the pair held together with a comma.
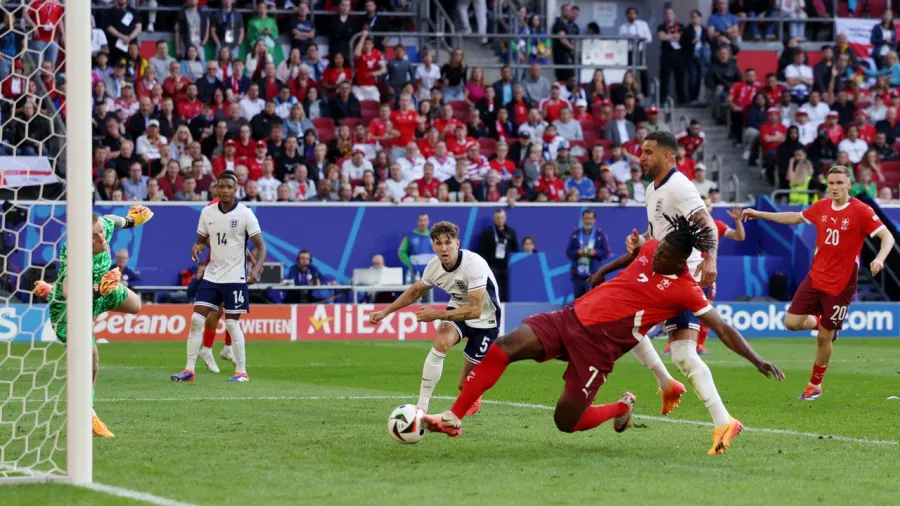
x: 685, y: 320
x: 234, y: 296
x: 480, y: 340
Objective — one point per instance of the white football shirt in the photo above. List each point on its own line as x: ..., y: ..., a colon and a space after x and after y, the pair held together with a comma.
x: 675, y: 196
x: 228, y: 233
x: 470, y: 273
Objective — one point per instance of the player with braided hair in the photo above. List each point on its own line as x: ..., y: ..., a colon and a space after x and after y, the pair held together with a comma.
x: 654, y: 286
x: 109, y: 293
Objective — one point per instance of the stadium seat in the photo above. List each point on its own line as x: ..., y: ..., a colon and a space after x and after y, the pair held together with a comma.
x: 876, y: 7
x: 351, y: 122
x: 590, y: 125
x: 591, y: 139
x: 369, y: 106
x: 326, y: 135
x: 323, y: 123
x: 487, y: 145
x: 460, y: 110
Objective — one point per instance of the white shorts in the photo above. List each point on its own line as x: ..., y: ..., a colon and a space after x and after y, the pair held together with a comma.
x: 367, y: 93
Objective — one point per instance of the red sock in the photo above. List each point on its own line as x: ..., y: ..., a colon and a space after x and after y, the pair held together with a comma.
x: 596, y: 415
x: 701, y: 338
x: 209, y: 337
x: 818, y: 374
x: 227, y: 338
x: 480, y: 380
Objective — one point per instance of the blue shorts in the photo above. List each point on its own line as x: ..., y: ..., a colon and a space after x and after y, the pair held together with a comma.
x: 480, y: 340
x: 685, y: 320
x: 234, y: 296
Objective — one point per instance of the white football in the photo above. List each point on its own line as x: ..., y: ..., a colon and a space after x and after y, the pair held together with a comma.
x: 405, y: 424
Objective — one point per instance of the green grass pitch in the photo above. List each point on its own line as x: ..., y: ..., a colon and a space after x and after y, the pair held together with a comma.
x: 310, y: 428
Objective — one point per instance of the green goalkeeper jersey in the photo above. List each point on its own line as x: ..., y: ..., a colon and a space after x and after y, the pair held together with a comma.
x: 101, y: 263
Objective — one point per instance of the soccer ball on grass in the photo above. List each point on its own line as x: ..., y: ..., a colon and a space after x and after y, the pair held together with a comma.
x: 405, y: 424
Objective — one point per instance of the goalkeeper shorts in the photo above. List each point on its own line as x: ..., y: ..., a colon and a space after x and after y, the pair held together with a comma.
x: 103, y: 304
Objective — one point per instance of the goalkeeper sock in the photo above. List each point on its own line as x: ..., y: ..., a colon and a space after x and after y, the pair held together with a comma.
x: 194, y: 340
x: 237, y: 336
x: 647, y: 356
x: 209, y: 337
x: 227, y: 337
x: 431, y: 374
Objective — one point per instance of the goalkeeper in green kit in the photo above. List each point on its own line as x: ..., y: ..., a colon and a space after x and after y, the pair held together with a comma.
x: 109, y: 294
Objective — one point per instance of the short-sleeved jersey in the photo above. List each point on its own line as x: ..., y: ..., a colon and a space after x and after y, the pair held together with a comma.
x: 840, y: 233
x: 100, y: 264
x: 228, y: 233
x: 642, y: 294
x: 470, y: 273
x: 675, y: 196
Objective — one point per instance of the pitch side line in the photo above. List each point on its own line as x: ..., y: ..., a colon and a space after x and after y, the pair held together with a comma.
x: 782, y: 432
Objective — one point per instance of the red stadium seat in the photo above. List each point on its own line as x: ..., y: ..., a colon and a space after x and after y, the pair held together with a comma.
x: 591, y: 139
x: 351, y: 122
x: 368, y: 115
x: 596, y: 107
x: 369, y: 105
x: 323, y: 123
x: 487, y: 144
x: 590, y: 125
x: 460, y: 110
x: 326, y: 134
x: 876, y: 7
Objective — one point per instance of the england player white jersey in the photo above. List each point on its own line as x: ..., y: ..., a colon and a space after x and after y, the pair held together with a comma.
x: 470, y: 273
x: 228, y: 233
x: 675, y: 196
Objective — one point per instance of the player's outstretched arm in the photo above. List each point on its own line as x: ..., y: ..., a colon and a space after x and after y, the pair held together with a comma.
x: 737, y: 233
x: 887, y: 244
x: 137, y: 215
x: 620, y: 263
x: 707, y: 267
x: 788, y: 218
x: 736, y: 343
x: 410, y: 295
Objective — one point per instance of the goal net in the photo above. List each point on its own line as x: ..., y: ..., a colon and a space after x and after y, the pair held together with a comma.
x: 33, y: 210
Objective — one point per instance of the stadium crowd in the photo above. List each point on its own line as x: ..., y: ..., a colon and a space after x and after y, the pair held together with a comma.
x: 367, y: 123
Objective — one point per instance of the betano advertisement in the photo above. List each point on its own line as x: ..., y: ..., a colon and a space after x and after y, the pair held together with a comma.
x: 338, y: 322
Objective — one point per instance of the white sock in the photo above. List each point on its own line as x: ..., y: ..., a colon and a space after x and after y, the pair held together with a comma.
x: 194, y: 340
x: 684, y: 354
x: 431, y: 374
x: 647, y: 356
x: 237, y: 341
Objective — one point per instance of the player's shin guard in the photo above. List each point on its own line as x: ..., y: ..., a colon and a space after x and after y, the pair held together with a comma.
x: 237, y: 338
x: 647, y: 356
x: 431, y: 374
x: 684, y: 354
x: 593, y: 416
x: 195, y: 340
x: 480, y: 380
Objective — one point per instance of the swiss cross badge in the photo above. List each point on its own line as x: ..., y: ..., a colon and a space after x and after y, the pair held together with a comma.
x: 845, y: 223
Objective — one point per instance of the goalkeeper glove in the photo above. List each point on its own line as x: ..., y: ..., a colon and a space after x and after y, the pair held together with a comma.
x: 42, y: 288
x: 140, y: 214
x: 110, y: 281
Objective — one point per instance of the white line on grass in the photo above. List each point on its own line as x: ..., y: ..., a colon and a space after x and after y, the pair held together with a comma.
x: 781, y: 432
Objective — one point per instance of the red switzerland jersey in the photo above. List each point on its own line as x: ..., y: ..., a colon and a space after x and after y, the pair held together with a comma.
x: 46, y: 15
x: 721, y: 227
x: 742, y: 93
x: 867, y: 133
x: 641, y: 294
x: 839, y: 237
x: 690, y: 143
x: 444, y: 124
x: 835, y: 133
x: 633, y: 147
x: 520, y: 112
x: 405, y: 123
x: 768, y: 129
x: 774, y: 96
x: 365, y: 65
x: 551, y: 109
x: 456, y: 148
x: 188, y: 110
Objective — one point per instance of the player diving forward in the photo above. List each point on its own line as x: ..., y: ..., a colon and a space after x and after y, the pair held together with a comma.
x: 735, y: 234
x: 472, y: 313
x: 821, y: 302
x: 672, y: 194
x: 594, y: 333
x: 225, y: 228
x: 109, y: 294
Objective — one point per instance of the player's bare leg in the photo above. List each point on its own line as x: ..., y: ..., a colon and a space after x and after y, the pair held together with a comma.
x: 233, y: 325
x: 447, y: 337
x: 684, y: 354
x: 209, y: 337
x: 798, y: 322
x: 194, y: 342
x: 131, y: 305
x: 467, y: 368
x: 670, y: 389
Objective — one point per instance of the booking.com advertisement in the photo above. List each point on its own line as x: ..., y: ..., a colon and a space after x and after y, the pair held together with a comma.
x: 317, y: 322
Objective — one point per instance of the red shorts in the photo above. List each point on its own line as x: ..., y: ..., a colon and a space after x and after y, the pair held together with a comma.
x: 832, y: 309
x: 590, y: 352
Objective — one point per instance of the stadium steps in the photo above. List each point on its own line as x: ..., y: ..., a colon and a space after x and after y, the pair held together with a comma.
x: 477, y: 56
x: 751, y: 179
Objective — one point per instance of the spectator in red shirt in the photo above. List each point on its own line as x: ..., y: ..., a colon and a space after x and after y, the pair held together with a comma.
x: 693, y: 140
x: 549, y: 184
x: 550, y: 107
x: 45, y: 17
x: 500, y: 164
x: 301, y: 85
x: 771, y: 134
x: 404, y: 121
x: 633, y: 148
x: 228, y: 160
x: 270, y: 85
x: 773, y: 90
x: 381, y: 129
x: 684, y: 164
x: 171, y: 181
x: 246, y: 146
x: 833, y: 128
x: 428, y: 185
x: 518, y: 107
x: 458, y: 145
x: 446, y: 123
x: 335, y: 74
x: 255, y: 164
x: 581, y: 113
x: 477, y: 166
x: 370, y: 65
x: 175, y: 85
x: 739, y: 99
x: 490, y: 190
x: 191, y: 105
x: 15, y: 85
x: 866, y: 129
x: 428, y: 144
